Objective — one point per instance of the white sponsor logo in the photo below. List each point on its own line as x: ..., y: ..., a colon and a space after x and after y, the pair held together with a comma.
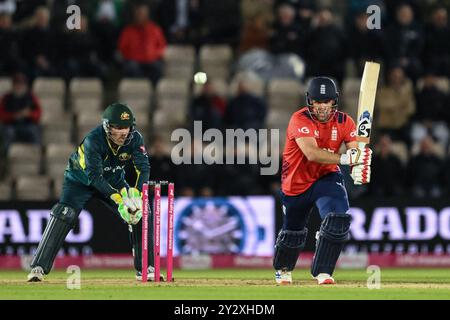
x: 422, y: 223
x: 304, y: 130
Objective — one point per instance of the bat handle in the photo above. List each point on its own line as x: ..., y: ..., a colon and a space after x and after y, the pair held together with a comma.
x: 361, y: 145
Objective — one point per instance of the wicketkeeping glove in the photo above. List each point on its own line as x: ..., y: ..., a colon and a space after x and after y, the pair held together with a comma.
x: 356, y: 156
x: 360, y: 174
x: 129, y: 204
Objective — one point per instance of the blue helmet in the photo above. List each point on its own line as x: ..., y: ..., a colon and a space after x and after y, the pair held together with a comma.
x: 320, y: 89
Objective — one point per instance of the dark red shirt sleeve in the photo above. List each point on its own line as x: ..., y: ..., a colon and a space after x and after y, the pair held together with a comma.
x: 5, y: 116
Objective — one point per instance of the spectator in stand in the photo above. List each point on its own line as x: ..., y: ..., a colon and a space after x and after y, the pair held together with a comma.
x: 38, y: 45
x: 208, y: 107
x: 80, y: 53
x: 20, y: 112
x: 9, y: 54
x: 395, y: 105
x: 287, y: 36
x: 106, y: 21
x: 304, y: 9
x: 366, y: 44
x: 425, y: 170
x: 256, y: 33
x: 326, y: 48
x: 142, y: 45
x: 437, y: 45
x: 27, y: 9
x: 180, y: 20
x: 433, y: 115
x: 404, y: 42
x: 246, y: 110
x: 388, y: 173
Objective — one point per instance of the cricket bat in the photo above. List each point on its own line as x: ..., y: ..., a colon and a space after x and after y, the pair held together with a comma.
x: 366, y: 103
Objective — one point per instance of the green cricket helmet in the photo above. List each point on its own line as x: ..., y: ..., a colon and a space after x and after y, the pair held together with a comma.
x: 119, y: 115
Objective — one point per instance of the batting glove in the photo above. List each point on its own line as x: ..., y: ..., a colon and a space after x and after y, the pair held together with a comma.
x: 356, y: 156
x: 360, y: 174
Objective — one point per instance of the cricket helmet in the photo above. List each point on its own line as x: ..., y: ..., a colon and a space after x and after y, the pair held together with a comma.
x: 119, y: 115
x: 322, y: 89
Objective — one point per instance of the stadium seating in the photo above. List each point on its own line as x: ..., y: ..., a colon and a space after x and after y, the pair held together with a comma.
x: 172, y: 98
x: 56, y: 157
x: 24, y: 159
x: 5, y: 85
x: 215, y: 60
x: 86, y: 121
x: 5, y: 190
x: 137, y: 93
x: 179, y: 61
x: 56, y: 127
x: 85, y: 89
x: 49, y: 88
x: 284, y: 94
x: 33, y: 188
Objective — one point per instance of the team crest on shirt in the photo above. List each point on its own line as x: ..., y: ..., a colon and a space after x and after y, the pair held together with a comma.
x: 334, y: 134
x: 124, y: 156
x: 125, y: 116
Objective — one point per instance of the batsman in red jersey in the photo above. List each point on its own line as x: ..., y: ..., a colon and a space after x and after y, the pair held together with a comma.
x: 311, y: 176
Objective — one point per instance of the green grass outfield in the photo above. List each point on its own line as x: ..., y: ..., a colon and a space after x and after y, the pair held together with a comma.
x: 230, y: 284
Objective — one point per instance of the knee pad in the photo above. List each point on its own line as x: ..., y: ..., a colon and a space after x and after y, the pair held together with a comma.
x: 288, y: 247
x: 332, y: 235
x: 62, y: 220
x: 65, y: 214
x: 335, y: 227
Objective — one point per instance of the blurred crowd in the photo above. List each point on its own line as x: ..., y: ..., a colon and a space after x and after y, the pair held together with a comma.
x: 302, y: 38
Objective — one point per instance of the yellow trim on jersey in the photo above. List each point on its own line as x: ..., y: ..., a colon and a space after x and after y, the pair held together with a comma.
x: 112, y: 149
x: 81, y: 159
x: 137, y: 177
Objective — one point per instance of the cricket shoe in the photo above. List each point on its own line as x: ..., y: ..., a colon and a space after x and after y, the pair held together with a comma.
x: 283, y: 277
x: 150, y: 275
x: 324, y: 278
x: 36, y: 274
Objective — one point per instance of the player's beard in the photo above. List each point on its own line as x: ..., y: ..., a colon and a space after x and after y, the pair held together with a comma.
x: 323, y: 115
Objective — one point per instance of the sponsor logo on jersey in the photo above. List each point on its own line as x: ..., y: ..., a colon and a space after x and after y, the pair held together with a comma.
x: 106, y: 169
x: 125, y: 116
x: 304, y: 130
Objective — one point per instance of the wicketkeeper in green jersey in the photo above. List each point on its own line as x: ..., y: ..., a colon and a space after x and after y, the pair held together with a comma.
x: 96, y: 169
